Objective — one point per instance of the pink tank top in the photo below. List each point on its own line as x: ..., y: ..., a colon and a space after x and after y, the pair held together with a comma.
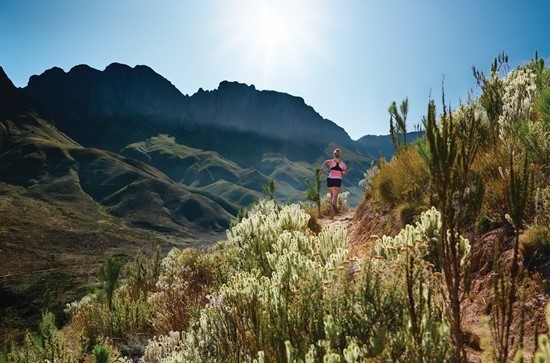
x: 336, y: 169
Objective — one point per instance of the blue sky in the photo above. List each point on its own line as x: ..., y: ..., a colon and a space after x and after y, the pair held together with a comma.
x: 348, y: 59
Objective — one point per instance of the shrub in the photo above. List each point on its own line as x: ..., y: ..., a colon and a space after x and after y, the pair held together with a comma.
x: 405, y: 178
x: 543, y: 352
x: 310, y: 302
x: 407, y: 211
x: 185, y: 280
x: 491, y: 165
x: 49, y: 345
x: 102, y: 354
x: 313, y: 223
x: 535, y: 247
x: 368, y: 176
x: 125, y: 321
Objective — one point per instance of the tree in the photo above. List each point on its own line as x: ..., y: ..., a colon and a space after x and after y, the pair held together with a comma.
x: 398, y: 130
x: 101, y: 354
x: 269, y: 189
x: 492, y: 89
x: 313, y: 192
x: 109, y: 275
x: 458, y: 193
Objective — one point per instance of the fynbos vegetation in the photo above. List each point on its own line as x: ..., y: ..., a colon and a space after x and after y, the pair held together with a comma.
x: 275, y: 290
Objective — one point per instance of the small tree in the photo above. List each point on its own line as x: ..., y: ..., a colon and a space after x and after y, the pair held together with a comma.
x: 268, y: 189
x: 507, y: 288
x: 492, y: 88
x: 102, y: 354
x: 313, y: 192
x: 109, y: 275
x: 398, y: 130
x: 458, y: 193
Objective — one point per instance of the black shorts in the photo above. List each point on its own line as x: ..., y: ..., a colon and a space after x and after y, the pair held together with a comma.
x: 334, y: 182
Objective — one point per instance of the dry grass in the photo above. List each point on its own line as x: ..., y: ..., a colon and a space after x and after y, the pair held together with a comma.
x: 404, y: 178
x: 491, y: 164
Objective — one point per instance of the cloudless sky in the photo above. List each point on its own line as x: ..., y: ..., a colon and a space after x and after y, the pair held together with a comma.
x: 348, y: 59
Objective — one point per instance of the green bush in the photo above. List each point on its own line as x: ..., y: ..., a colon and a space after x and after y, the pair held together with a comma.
x: 49, y: 345
x: 543, y: 351
x: 403, y: 179
x: 102, y: 354
x: 535, y: 247
x: 185, y: 280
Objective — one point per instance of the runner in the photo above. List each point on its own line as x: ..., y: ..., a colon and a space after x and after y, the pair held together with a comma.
x: 338, y: 168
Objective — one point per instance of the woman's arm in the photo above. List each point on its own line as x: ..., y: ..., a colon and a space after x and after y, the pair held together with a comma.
x: 322, y: 167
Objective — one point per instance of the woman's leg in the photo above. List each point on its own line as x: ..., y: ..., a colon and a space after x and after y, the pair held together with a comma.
x: 334, y: 194
x: 331, y: 201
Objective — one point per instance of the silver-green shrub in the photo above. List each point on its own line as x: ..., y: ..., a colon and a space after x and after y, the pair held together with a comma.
x: 185, y: 280
x: 543, y: 352
x: 293, y: 296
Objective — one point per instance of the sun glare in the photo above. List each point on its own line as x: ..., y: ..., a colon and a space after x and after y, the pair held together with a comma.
x: 273, y: 29
x: 272, y: 37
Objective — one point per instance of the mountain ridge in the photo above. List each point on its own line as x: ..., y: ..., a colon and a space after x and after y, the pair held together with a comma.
x: 65, y: 208
x: 123, y: 106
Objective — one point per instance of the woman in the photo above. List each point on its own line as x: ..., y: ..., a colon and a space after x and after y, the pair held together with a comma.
x: 334, y: 181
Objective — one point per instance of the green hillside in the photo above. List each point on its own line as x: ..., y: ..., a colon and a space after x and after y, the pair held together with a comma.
x: 65, y: 208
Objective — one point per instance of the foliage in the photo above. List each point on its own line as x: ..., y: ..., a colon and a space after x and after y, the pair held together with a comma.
x: 313, y: 211
x: 403, y: 184
x: 310, y: 302
x: 268, y: 189
x: 519, y: 93
x: 366, y: 182
x: 109, y: 274
x: 492, y: 90
x: 535, y: 247
x: 101, y: 354
x: 126, y: 319
x: 182, y: 287
x: 457, y: 192
x: 489, y: 165
x: 543, y: 352
x: 398, y: 130
x: 313, y: 192
x: 142, y: 274
x: 49, y: 345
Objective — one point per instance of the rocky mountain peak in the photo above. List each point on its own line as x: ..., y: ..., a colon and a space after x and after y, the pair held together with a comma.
x: 12, y: 100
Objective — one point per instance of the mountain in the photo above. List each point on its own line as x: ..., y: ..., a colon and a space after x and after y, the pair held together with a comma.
x: 65, y: 208
x: 383, y: 143
x: 139, y: 97
x: 279, y: 136
x: 35, y: 155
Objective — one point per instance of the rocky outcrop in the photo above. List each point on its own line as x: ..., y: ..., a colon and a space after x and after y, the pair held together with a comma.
x: 85, y: 94
x: 237, y: 106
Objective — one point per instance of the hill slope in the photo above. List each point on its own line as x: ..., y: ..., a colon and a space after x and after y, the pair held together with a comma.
x: 64, y: 208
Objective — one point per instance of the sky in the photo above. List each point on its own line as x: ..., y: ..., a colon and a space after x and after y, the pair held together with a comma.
x: 348, y: 59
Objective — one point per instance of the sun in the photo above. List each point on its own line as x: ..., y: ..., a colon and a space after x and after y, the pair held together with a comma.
x: 274, y: 29
x: 272, y: 37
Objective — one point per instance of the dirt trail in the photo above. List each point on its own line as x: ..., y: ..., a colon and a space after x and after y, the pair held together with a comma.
x: 344, y: 218
x: 364, y: 223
